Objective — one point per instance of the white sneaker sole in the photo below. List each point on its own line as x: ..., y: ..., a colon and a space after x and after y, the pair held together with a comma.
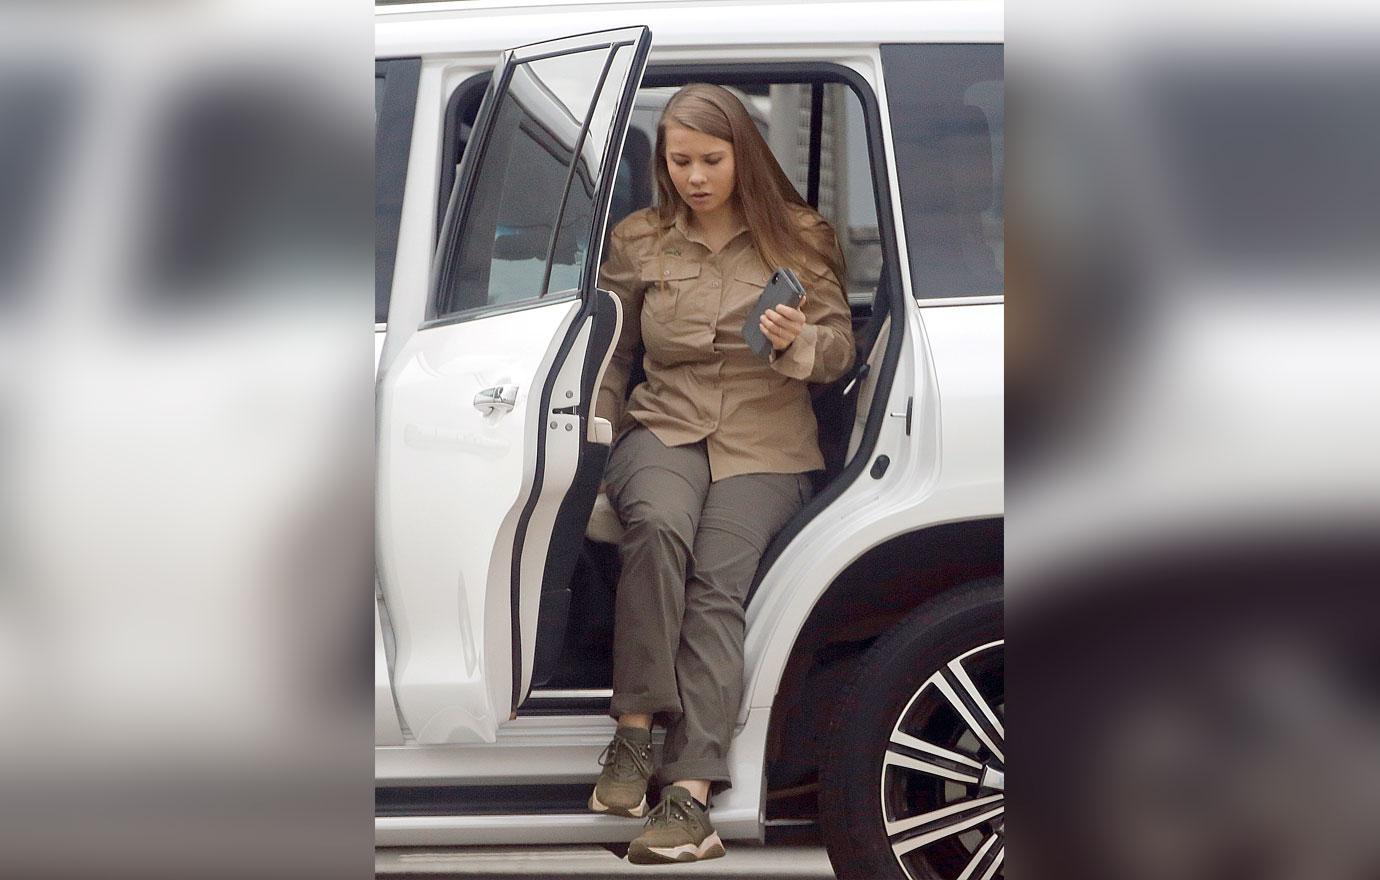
x: 599, y: 806
x: 709, y: 848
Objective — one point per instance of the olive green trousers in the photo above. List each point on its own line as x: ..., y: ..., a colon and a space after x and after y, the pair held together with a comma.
x: 689, y: 553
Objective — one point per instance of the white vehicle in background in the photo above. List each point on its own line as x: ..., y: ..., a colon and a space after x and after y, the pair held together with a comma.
x: 874, y: 649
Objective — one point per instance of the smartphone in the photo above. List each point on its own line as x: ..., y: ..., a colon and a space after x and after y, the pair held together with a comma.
x: 783, y: 289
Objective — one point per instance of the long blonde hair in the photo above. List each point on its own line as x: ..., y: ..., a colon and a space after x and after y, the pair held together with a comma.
x: 762, y: 191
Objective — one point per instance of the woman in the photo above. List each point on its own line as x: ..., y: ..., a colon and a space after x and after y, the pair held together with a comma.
x: 713, y: 451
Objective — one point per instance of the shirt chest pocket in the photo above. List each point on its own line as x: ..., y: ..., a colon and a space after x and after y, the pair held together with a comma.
x: 672, y: 287
x: 748, y: 284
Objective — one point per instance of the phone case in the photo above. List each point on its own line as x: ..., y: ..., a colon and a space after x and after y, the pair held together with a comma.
x: 783, y: 288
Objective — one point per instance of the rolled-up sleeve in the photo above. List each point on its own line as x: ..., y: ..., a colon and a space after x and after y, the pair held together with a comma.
x: 620, y: 275
x: 824, y: 350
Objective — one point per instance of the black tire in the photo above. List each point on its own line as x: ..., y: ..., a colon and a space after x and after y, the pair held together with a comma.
x: 857, y: 785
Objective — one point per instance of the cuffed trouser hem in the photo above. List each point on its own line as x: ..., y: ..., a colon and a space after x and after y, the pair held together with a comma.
x: 715, y: 772
x: 665, y: 708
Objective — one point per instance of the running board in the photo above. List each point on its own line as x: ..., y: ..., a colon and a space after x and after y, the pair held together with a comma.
x: 732, y: 824
x: 541, y: 757
x: 549, y: 750
x: 481, y: 800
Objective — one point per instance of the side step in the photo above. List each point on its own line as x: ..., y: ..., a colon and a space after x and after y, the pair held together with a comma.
x: 533, y: 784
x: 482, y: 800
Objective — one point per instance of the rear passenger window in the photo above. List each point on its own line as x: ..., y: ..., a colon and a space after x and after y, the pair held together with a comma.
x: 947, y: 123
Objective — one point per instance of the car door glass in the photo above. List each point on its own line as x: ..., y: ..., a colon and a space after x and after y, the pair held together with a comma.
x: 571, y: 250
x: 533, y: 201
x: 948, y: 120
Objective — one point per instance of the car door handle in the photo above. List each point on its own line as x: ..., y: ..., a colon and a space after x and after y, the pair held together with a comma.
x: 500, y: 398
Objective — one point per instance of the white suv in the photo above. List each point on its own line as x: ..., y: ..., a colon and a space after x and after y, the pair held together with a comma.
x: 874, y: 672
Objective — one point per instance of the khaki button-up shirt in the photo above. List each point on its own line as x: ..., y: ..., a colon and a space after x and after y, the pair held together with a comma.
x: 687, y: 305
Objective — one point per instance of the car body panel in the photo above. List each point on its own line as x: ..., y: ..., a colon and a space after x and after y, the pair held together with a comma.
x: 438, y: 455
x: 945, y: 465
x: 481, y: 28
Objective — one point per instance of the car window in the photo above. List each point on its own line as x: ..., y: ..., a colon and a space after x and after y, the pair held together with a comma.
x: 947, y: 122
x: 526, y: 233
x: 395, y: 103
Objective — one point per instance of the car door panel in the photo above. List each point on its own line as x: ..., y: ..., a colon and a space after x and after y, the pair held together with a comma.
x: 484, y: 456
x: 438, y: 438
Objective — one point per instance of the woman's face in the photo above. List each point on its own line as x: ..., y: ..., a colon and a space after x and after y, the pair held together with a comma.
x: 701, y: 166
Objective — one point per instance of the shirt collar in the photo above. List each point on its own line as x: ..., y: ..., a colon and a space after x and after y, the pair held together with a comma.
x: 682, y: 223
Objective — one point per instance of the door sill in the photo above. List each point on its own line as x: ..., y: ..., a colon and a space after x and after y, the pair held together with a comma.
x: 732, y: 823
x: 584, y: 701
x: 481, y: 800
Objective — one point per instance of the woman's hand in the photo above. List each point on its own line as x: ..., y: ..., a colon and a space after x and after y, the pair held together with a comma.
x: 781, y: 325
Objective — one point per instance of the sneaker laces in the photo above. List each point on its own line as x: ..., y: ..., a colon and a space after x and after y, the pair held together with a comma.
x: 669, y: 810
x: 626, y: 758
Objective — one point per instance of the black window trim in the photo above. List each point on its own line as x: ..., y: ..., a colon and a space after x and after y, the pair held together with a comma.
x: 472, y: 88
x: 392, y: 148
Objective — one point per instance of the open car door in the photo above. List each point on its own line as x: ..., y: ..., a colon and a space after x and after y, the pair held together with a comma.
x: 489, y: 455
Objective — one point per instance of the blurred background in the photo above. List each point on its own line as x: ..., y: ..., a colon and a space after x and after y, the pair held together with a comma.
x: 186, y: 469
x: 186, y: 475
x: 1193, y: 487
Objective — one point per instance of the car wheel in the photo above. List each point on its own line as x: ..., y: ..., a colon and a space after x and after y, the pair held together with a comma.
x: 912, y: 786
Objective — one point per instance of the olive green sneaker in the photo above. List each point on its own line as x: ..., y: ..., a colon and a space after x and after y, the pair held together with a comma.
x: 678, y: 830
x: 627, y: 763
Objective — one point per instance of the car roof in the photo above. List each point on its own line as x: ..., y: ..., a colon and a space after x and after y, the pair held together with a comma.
x: 488, y: 26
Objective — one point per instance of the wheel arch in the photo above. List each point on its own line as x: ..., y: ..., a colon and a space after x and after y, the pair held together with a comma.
x: 863, y: 601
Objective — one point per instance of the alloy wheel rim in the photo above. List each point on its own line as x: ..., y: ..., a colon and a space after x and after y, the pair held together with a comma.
x: 943, y: 776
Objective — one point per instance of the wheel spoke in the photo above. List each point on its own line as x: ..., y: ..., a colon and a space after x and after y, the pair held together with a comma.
x: 950, y: 822
x: 961, y: 675
x: 907, y: 741
x: 996, y: 864
x: 956, y: 812
x: 985, y: 861
x: 896, y: 759
x: 945, y: 687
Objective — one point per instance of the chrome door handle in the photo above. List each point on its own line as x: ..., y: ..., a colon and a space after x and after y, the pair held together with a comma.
x: 500, y: 398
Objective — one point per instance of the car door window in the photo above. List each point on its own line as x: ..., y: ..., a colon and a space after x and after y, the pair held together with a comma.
x: 526, y: 229
x: 947, y: 119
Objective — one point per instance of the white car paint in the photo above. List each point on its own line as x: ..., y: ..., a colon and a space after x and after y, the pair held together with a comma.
x: 947, y: 469
x: 451, y: 484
